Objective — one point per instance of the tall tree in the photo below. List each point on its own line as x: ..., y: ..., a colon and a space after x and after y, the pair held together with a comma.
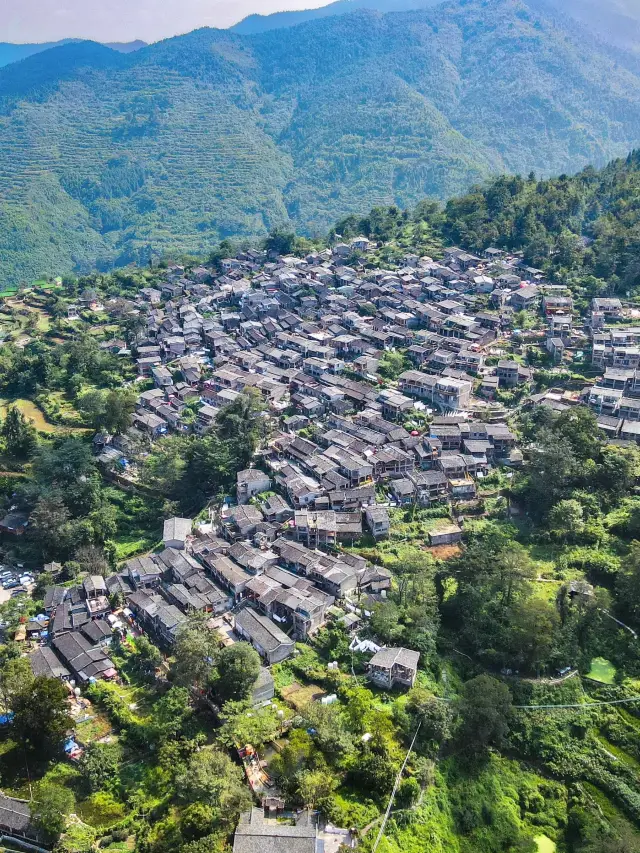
x: 52, y: 805
x: 100, y: 765
x: 195, y: 652
x: 119, y: 405
x: 212, y: 778
x: 485, y: 707
x: 280, y: 241
x: 238, y: 668
x: 41, y: 716
x: 16, y: 677
x: 67, y: 465
x: 18, y: 434
x: 49, y: 525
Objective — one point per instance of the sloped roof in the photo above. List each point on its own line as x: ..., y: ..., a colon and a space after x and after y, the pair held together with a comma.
x: 255, y: 834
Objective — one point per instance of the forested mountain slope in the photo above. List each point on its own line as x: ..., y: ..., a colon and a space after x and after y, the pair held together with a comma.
x: 616, y: 22
x: 106, y: 158
x: 15, y: 52
x: 583, y: 229
x: 253, y: 24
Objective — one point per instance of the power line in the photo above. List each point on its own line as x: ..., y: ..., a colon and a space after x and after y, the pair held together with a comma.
x: 393, y: 793
x: 583, y: 706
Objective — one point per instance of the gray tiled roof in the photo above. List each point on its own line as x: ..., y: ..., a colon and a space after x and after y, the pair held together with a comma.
x: 387, y: 658
x: 254, y: 834
x: 15, y: 817
x: 261, y: 629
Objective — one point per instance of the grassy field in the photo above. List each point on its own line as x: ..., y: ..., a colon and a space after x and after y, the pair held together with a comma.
x: 545, y: 845
x: 31, y: 411
x: 127, y: 548
x: 601, y: 670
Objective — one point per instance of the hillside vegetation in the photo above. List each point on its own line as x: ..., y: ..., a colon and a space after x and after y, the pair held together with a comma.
x: 616, y: 22
x: 106, y: 158
x: 16, y: 52
x: 253, y: 24
x: 584, y: 230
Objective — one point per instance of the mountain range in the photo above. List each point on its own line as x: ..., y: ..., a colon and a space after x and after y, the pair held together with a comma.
x: 15, y: 52
x: 254, y: 24
x: 616, y: 22
x: 107, y: 158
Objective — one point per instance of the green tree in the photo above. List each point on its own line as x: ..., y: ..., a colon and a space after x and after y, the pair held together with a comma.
x: 628, y: 585
x: 376, y: 772
x: 485, y: 708
x: 385, y: 622
x: 434, y: 718
x: 329, y: 730
x: 238, y: 667
x: 579, y: 426
x: 146, y: 657
x: 16, y: 677
x: 18, y: 434
x: 292, y: 759
x: 195, y: 652
x: 553, y: 470
x: 100, y: 766
x: 92, y: 406
x: 52, y: 804
x: 566, y: 520
x: 119, y: 405
x: 280, y: 241
x: 243, y: 724
x: 617, y: 470
x: 213, y: 779
x: 240, y: 421
x: 67, y: 467
x: 196, y: 821
x: 533, y: 623
x: 391, y: 365
x: 170, y: 714
x: 359, y: 703
x: 41, y: 716
x: 48, y: 526
x: 213, y: 843
x: 408, y: 793
x: 315, y: 786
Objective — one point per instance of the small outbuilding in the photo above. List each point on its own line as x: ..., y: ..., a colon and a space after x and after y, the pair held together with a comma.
x: 448, y: 534
x: 176, y: 532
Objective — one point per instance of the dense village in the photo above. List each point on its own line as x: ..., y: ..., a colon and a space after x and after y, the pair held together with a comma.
x: 381, y: 391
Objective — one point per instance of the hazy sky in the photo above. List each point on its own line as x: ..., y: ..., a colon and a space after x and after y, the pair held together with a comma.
x: 124, y: 20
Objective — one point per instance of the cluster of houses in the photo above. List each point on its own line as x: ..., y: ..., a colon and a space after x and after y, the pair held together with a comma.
x: 346, y: 443
x: 270, y: 594
x: 309, y: 334
x: 615, y: 396
x: 611, y: 333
